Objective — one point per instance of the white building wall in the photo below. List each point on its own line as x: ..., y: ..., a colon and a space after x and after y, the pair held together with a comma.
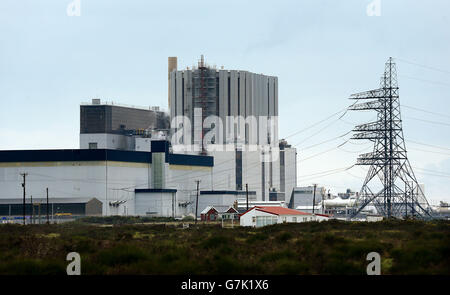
x: 276, y: 173
x: 251, y: 172
x: 157, y: 204
x: 143, y: 144
x: 77, y: 179
x: 290, y: 155
x: 247, y: 218
x: 224, y: 171
x: 183, y: 178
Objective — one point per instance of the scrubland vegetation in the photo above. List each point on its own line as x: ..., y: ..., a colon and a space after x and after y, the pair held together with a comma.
x: 128, y: 247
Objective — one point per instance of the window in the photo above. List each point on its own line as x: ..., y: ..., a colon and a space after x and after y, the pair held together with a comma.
x: 253, y: 219
x: 265, y: 220
x: 294, y: 219
x: 92, y: 145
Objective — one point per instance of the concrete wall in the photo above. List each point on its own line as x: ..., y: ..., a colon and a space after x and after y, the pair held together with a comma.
x: 157, y: 204
x: 91, y: 179
x: 107, y: 141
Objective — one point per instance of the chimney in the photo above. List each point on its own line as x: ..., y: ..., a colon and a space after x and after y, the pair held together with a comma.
x: 172, y: 66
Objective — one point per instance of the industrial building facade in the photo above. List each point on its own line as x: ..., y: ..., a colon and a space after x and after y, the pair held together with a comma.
x: 127, y: 161
x: 222, y: 93
x: 111, y: 176
x: 114, y: 126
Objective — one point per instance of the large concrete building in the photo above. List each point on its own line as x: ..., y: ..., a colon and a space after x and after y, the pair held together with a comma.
x: 223, y: 93
x: 127, y: 159
x: 118, y: 179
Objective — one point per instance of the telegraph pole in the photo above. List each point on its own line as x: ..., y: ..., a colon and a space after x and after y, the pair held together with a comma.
x: 246, y: 192
x: 24, y: 175
x: 48, y: 221
x: 196, y: 201
x: 314, y: 197
x: 32, y: 209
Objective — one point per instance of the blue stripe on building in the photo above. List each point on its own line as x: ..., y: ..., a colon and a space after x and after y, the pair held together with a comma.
x: 227, y: 193
x: 190, y: 160
x: 99, y: 155
x: 155, y: 190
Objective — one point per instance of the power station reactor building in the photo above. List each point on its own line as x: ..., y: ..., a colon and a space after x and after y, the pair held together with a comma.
x: 129, y: 164
x: 222, y: 93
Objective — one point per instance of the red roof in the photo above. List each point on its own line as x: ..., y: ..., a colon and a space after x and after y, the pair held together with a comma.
x: 324, y: 215
x: 278, y: 211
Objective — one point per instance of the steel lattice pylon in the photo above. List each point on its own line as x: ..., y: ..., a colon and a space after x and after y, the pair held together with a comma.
x: 390, y: 184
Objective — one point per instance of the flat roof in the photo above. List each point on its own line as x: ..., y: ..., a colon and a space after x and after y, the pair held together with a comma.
x: 76, y: 155
x: 44, y: 201
x: 155, y: 190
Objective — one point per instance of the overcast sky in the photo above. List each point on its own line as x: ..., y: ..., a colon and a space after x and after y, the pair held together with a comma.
x: 321, y: 51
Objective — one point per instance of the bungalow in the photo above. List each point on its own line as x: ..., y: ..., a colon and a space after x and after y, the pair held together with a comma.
x: 261, y: 216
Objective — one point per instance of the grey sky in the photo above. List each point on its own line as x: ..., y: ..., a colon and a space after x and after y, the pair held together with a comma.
x: 321, y: 51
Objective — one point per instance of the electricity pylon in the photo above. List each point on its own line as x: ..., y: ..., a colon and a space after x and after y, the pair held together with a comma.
x: 390, y: 185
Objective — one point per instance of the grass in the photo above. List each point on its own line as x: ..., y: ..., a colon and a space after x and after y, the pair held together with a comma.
x: 134, y: 246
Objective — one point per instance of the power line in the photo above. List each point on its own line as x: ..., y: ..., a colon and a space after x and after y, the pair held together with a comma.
x: 430, y: 145
x: 332, y: 139
x: 326, y: 151
x: 317, y: 123
x: 427, y: 81
x: 427, y: 151
x: 425, y: 111
x: 423, y: 66
x: 433, y: 171
x: 429, y: 121
x: 320, y: 130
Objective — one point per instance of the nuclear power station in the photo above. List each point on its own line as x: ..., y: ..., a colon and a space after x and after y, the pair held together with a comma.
x: 129, y: 163
x: 216, y: 148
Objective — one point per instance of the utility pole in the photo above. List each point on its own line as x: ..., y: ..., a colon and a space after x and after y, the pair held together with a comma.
x: 32, y: 210
x: 196, y: 201
x: 24, y: 175
x: 246, y: 192
x: 48, y: 221
x: 314, y: 197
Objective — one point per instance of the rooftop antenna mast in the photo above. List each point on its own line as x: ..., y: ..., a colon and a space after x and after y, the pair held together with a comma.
x: 390, y: 179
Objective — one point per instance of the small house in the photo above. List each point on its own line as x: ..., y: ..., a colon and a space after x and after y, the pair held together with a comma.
x: 217, y: 212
